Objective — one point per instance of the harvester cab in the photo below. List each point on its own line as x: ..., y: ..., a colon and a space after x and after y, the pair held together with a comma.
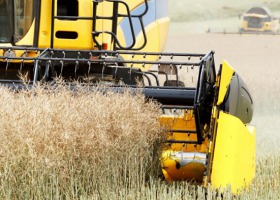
x: 205, y: 114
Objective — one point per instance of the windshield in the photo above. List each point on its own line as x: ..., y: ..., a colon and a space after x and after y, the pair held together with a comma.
x: 6, y: 21
x: 254, y: 22
x: 15, y: 19
x: 23, y: 17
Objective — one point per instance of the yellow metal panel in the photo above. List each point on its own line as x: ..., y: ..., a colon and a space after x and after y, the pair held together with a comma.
x: 29, y: 37
x: 193, y: 170
x: 82, y: 27
x: 182, y: 161
x: 84, y: 39
x: 227, y: 72
x: 173, y: 122
x: 45, y: 24
x: 163, y: 24
x: 244, y: 25
x: 153, y: 39
x: 234, y: 154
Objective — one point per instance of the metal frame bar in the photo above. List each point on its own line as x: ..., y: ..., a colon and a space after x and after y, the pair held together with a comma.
x: 110, y: 54
x: 52, y: 24
x: 37, y: 14
x: 13, y: 22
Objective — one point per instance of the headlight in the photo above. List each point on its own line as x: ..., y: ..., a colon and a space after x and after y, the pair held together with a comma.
x: 9, y: 53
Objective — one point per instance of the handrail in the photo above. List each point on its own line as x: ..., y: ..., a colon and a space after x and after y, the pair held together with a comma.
x: 114, y: 18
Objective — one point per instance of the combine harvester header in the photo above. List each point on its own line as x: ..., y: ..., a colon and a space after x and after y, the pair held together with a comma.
x: 118, y: 43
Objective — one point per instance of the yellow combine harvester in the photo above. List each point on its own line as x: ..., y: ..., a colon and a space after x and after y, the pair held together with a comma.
x: 117, y: 43
x: 259, y: 19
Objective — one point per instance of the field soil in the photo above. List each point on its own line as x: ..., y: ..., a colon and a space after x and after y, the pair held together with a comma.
x: 256, y: 59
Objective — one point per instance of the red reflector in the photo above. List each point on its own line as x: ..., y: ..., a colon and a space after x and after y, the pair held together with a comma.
x: 104, y: 46
x: 94, y: 58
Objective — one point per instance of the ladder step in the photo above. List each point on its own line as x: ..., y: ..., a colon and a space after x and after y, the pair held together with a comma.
x: 177, y: 107
x: 182, y: 141
x: 182, y: 131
